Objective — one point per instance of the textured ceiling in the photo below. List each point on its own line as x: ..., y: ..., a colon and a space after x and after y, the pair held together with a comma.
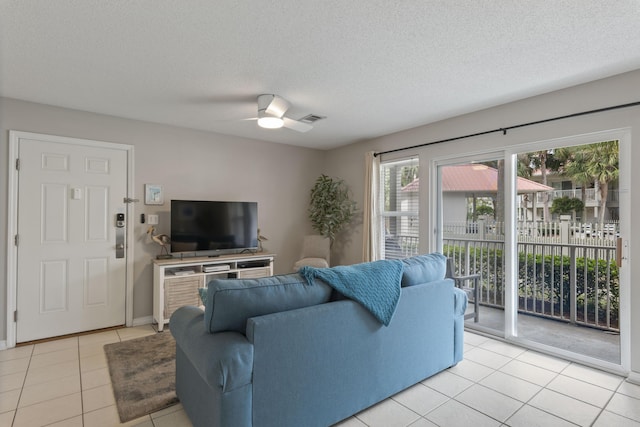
x: 372, y: 67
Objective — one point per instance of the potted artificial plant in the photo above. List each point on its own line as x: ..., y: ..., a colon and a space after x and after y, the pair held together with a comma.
x: 331, y: 207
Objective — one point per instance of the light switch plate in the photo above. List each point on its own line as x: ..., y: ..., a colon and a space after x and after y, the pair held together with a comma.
x: 152, y: 219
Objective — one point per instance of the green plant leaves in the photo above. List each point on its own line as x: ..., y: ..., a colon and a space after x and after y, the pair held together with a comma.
x: 331, y: 207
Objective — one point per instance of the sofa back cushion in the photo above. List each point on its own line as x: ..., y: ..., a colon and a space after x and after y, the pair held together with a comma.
x: 423, y: 268
x: 230, y: 302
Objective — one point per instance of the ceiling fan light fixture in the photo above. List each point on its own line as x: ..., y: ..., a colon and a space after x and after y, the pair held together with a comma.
x: 271, y: 114
x: 270, y: 122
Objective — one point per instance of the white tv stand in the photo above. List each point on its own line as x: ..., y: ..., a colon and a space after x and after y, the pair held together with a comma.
x: 176, y: 281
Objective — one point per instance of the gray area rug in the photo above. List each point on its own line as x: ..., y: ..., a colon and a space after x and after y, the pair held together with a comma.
x: 143, y: 373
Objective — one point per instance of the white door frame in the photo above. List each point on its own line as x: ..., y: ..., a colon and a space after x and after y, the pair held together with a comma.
x: 623, y: 135
x: 12, y: 221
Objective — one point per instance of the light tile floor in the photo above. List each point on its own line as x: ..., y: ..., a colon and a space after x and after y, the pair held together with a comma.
x: 66, y: 383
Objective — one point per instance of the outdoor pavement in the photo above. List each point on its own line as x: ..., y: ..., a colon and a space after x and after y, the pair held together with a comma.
x: 583, y: 340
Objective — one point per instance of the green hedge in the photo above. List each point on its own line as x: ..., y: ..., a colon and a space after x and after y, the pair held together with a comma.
x: 551, y: 283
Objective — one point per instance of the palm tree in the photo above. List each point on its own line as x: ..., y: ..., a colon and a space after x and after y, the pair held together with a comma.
x: 576, y: 169
x: 498, y: 199
x: 603, y: 167
x: 525, y: 168
x: 544, y: 161
x: 525, y: 165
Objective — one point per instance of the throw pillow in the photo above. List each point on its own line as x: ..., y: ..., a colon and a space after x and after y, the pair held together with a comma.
x: 423, y: 268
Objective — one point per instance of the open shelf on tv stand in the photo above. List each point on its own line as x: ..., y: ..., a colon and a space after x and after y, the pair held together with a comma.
x: 176, y: 281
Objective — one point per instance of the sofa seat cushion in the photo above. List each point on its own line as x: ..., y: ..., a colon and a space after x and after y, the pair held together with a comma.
x: 423, y: 268
x: 230, y: 302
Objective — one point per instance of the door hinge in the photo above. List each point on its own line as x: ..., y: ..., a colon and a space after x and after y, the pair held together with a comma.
x: 15, y: 316
x: 17, y: 164
x: 16, y: 240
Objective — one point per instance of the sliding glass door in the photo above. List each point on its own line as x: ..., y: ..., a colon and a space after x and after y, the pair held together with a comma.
x: 543, y: 228
x: 568, y: 277
x: 472, y: 212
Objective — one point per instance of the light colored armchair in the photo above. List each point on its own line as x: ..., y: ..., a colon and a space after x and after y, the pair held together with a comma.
x: 316, y: 250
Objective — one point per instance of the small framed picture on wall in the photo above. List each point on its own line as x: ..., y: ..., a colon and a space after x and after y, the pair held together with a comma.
x: 153, y: 194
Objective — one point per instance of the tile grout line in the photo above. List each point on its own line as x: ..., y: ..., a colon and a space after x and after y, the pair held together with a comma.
x: 406, y: 407
x: 545, y: 387
x: 77, y: 368
x: 81, y: 387
x: 542, y: 388
x: 24, y: 382
x: 523, y: 404
x: 556, y: 374
x: 475, y: 382
x: 609, y: 401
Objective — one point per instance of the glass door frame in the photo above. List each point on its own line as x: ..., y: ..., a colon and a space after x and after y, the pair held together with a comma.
x: 509, y: 155
x: 436, y: 218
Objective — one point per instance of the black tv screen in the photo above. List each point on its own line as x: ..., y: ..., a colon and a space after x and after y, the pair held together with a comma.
x: 213, y: 226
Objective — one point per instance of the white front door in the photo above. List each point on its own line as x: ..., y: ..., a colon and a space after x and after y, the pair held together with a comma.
x: 70, y: 277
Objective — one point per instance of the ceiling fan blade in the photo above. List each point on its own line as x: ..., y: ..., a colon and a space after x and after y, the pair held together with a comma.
x: 278, y: 106
x: 296, y: 125
x: 234, y: 120
x: 272, y: 105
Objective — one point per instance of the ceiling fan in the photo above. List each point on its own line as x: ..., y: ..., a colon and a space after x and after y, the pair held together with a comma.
x: 271, y: 115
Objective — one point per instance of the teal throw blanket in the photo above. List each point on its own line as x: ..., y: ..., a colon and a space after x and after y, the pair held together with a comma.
x: 375, y: 285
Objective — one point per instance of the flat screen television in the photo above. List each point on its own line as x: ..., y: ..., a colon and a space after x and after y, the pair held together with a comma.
x: 213, y: 227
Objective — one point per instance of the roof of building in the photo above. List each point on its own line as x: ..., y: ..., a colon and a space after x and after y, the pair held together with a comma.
x: 477, y: 178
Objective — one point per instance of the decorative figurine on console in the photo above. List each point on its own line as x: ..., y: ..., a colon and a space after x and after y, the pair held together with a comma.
x: 163, y: 240
x: 261, y: 239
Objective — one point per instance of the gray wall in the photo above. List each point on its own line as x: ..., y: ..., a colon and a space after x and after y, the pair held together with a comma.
x: 190, y: 165
x: 348, y: 162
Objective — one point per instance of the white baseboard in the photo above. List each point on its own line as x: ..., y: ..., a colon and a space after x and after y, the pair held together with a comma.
x: 147, y: 320
x: 139, y: 321
x: 634, y: 377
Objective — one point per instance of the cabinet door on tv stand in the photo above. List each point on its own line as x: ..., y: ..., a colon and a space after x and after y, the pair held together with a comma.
x: 181, y: 291
x: 254, y: 273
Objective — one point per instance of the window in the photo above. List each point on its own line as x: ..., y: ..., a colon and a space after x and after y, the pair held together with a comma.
x: 399, y: 208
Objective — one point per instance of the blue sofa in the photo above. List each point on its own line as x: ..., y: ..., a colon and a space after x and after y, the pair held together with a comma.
x: 280, y: 352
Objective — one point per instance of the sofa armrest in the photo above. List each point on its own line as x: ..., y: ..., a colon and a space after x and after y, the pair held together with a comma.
x: 460, y: 302
x: 224, y: 360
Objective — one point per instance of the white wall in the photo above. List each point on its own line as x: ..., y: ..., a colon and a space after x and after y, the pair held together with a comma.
x: 223, y: 167
x: 190, y: 165
x: 454, y: 207
x: 348, y: 162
